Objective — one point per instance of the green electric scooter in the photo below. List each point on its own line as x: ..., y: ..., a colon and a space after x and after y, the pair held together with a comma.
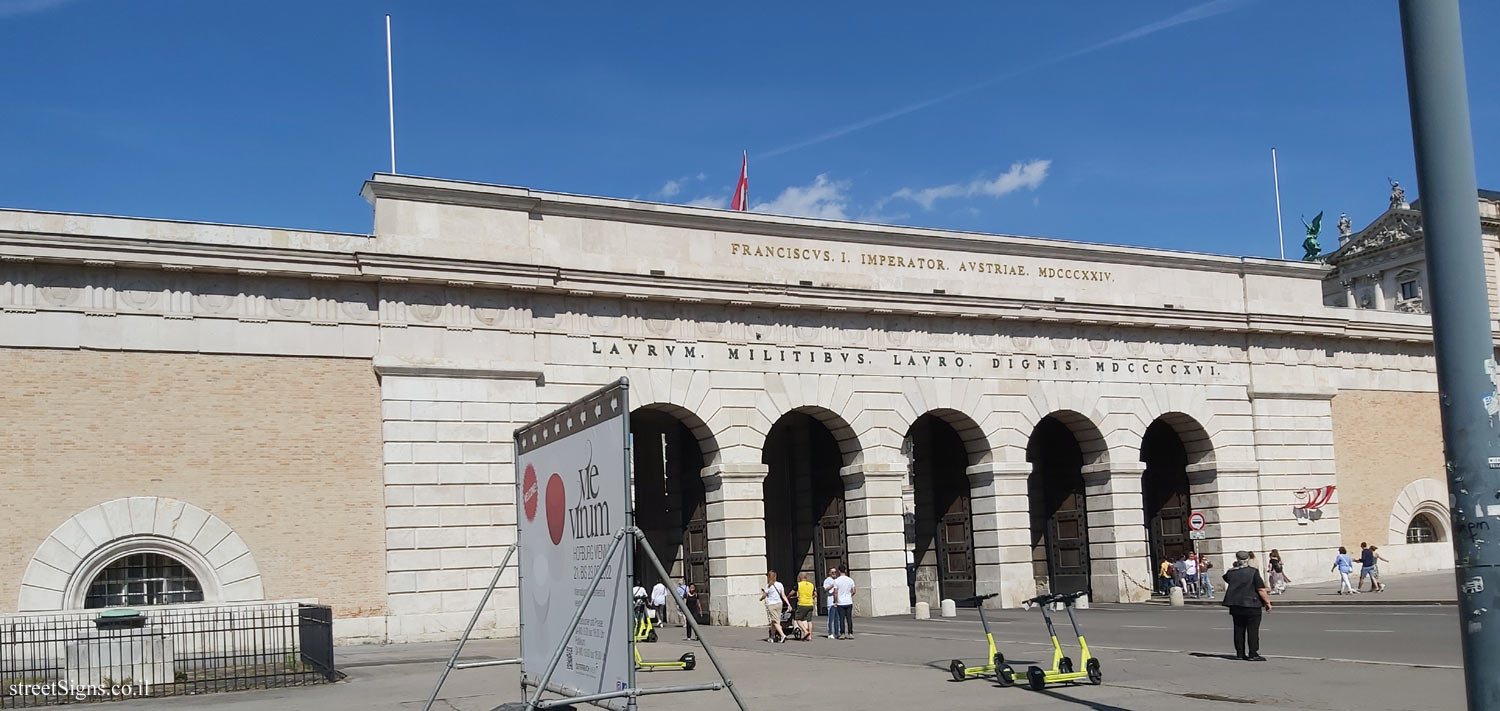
x: 994, y: 662
x: 1062, y: 670
x: 645, y: 631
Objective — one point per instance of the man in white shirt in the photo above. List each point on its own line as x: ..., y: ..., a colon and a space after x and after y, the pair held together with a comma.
x: 659, y: 603
x: 1190, y: 569
x: 833, y: 610
x: 843, y: 594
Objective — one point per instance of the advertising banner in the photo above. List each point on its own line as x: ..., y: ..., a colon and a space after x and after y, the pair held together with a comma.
x: 573, y: 491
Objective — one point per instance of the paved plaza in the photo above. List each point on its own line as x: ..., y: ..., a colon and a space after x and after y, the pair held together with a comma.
x: 1154, y: 657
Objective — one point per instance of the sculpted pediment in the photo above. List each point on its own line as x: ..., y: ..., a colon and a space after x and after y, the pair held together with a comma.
x: 1395, y: 227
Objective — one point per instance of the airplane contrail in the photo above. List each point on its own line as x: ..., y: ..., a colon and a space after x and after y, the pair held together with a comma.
x: 1193, y: 14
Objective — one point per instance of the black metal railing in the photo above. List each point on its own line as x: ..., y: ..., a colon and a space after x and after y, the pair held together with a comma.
x: 72, y: 657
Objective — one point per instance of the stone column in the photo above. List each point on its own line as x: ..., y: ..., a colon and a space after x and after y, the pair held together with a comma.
x: 1119, y: 564
x: 735, y: 495
x: 1228, y: 496
x: 999, y: 512
x: 875, y: 533
x: 1379, y: 283
x: 1349, y: 301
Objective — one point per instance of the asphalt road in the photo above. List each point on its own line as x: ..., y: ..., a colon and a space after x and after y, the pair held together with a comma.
x: 1154, y: 657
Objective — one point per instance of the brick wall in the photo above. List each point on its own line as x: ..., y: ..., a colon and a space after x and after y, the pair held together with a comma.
x: 286, y: 451
x: 1382, y: 441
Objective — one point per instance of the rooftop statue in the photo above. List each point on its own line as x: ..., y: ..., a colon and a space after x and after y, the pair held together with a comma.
x: 1345, y: 228
x: 1310, y: 245
x: 1398, y: 194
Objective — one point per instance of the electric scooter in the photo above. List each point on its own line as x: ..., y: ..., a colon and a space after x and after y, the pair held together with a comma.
x: 1062, y: 666
x: 686, y: 662
x: 994, y: 662
x: 645, y: 629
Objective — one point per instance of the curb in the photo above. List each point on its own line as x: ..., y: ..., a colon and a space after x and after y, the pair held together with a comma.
x: 1327, y: 603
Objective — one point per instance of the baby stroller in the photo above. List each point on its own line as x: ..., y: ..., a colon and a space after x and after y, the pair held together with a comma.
x: 789, y: 626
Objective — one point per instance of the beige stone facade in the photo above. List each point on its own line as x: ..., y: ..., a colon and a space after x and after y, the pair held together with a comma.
x: 284, y: 451
x: 381, y: 376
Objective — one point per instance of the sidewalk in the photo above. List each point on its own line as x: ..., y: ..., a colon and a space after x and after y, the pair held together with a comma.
x: 1421, y: 589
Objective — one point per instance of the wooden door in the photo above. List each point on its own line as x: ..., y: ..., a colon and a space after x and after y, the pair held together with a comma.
x: 1068, y: 544
x: 956, y: 547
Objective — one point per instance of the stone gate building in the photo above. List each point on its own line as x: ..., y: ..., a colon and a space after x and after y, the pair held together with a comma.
x: 202, y: 412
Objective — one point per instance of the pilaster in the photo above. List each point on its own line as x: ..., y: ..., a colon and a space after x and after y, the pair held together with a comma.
x: 1002, y: 526
x: 875, y: 534
x: 1119, y: 563
x: 735, y: 494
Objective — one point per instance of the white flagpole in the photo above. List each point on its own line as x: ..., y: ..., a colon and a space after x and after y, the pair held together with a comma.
x: 390, y: 91
x: 1275, y: 179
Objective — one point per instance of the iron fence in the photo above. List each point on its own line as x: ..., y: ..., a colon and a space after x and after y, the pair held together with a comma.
x: 72, y: 657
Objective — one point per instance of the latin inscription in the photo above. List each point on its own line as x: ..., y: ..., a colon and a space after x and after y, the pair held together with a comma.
x: 745, y: 251
x: 772, y: 357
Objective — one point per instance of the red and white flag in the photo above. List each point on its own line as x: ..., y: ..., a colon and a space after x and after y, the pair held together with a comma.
x: 741, y: 200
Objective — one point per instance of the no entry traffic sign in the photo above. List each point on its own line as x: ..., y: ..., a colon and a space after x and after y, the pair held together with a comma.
x: 1196, y: 521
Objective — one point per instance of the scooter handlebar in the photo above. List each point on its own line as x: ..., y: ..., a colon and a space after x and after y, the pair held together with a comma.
x: 978, y: 598
x: 1070, y: 597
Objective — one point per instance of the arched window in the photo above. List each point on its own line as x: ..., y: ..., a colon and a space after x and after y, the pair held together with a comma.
x: 1423, y: 529
x: 143, y: 579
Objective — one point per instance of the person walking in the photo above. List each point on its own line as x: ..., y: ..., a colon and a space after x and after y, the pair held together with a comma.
x: 1164, y: 577
x: 1245, y: 596
x: 1375, y: 584
x: 1205, y: 582
x: 843, y: 588
x: 1344, y: 565
x: 774, y: 596
x: 807, y: 603
x: 1277, y: 572
x: 690, y: 601
x: 832, y: 607
x: 1190, y: 580
x: 659, y: 602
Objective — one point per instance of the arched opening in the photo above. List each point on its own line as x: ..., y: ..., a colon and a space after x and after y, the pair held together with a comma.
x: 804, y: 499
x: 141, y: 580
x: 1059, y: 516
x: 942, y: 548
x: 1423, y: 529
x: 1166, y: 494
x: 670, y: 505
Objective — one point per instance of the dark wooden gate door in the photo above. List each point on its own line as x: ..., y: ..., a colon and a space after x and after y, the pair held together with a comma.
x: 956, y: 549
x: 1169, y: 535
x: 829, y: 549
x: 695, y: 555
x: 1068, y: 544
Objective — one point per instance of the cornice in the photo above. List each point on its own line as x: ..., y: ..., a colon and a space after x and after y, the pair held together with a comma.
x: 447, y: 192
x: 367, y: 266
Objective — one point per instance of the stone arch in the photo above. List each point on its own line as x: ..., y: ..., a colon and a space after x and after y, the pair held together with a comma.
x: 683, y: 394
x: 67, y: 561
x: 976, y: 444
x: 1195, y: 438
x: 822, y: 397
x: 1423, y: 496
x: 708, y: 445
x: 1091, y: 442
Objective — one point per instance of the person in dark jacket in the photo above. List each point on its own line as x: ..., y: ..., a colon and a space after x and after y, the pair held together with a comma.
x: 1245, y: 596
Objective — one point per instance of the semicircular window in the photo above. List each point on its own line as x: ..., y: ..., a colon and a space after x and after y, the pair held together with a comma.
x: 143, y: 579
x: 1422, y: 529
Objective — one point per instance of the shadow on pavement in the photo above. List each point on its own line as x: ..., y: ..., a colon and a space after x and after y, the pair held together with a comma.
x: 1095, y: 705
x: 1205, y: 655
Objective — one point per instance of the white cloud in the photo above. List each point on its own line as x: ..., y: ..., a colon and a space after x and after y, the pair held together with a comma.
x: 717, y: 202
x: 824, y: 198
x: 672, y: 187
x: 1028, y: 175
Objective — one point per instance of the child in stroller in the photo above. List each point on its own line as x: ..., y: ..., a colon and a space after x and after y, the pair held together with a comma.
x: 789, y: 626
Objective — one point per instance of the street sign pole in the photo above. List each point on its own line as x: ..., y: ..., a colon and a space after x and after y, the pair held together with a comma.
x: 1462, y: 337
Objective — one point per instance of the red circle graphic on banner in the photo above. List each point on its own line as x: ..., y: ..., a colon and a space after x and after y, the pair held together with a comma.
x: 557, y: 508
x: 529, y: 493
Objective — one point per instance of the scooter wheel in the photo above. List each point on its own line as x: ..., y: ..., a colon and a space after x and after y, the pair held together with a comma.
x: 1096, y: 675
x: 1005, y: 675
x: 1036, y: 678
x: 651, y: 636
x: 688, y: 661
x: 956, y: 668
x: 1066, y: 665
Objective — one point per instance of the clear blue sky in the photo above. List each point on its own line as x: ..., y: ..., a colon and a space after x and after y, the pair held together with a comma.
x: 1146, y: 123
